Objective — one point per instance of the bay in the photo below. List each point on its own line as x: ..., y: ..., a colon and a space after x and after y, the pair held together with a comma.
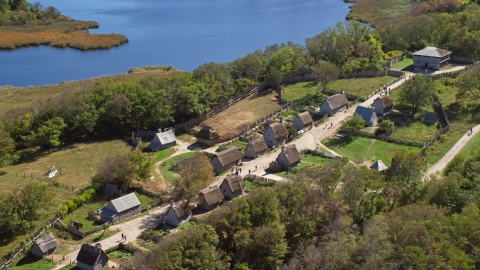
x: 179, y: 33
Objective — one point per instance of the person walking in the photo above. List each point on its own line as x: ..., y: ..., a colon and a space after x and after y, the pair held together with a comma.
x: 471, y: 131
x: 255, y: 167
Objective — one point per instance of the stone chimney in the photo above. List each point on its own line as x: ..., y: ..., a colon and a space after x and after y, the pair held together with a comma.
x: 342, y: 92
x: 159, y: 130
x: 282, y: 121
x: 98, y: 247
x: 283, y: 149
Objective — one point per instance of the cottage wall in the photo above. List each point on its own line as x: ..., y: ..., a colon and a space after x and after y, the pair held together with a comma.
x: 430, y: 62
x: 36, y: 251
x: 298, y: 124
x: 269, y: 137
x: 227, y: 192
x: 102, y: 261
x: 126, y: 214
x: 174, y: 221
x: 373, y: 120
x: 341, y: 109
x: 378, y: 107
x: 325, y: 109
x: 250, y: 153
x: 206, y: 207
x: 217, y: 166
x: 85, y: 266
x: 283, y: 162
x: 168, y: 145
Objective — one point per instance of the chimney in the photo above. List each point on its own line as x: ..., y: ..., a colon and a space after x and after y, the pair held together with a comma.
x: 98, y: 247
x: 342, y: 92
x: 159, y: 130
x: 172, y: 204
x: 283, y: 149
x: 282, y: 121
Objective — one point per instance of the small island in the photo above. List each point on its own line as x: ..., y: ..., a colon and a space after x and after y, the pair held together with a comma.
x: 25, y: 24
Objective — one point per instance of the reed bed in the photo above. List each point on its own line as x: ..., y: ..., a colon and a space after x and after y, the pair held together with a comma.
x: 72, y: 34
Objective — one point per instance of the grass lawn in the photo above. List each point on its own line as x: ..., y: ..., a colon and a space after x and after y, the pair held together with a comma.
x: 404, y: 65
x: 120, y: 255
x: 361, y: 149
x: 166, y: 166
x: 30, y: 262
x: 417, y: 132
x: 360, y: 87
x: 241, y: 146
x: 308, y: 161
x: 186, y: 137
x: 472, y: 148
x: 159, y: 155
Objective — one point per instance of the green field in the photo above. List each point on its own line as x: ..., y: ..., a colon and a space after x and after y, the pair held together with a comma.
x: 473, y: 146
x: 166, y: 166
x: 360, y: 87
x: 417, y: 132
x: 307, y: 161
x: 361, y: 149
x: 30, y: 262
x: 403, y: 65
x: 159, y: 155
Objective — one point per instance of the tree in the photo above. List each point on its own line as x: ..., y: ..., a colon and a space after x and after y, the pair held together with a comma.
x: 49, y: 133
x: 324, y: 73
x: 196, y: 173
x: 417, y: 92
x: 386, y: 127
x: 354, y: 122
x: 469, y: 89
x: 7, y: 149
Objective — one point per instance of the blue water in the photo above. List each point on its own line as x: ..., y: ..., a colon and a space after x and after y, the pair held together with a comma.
x: 180, y: 33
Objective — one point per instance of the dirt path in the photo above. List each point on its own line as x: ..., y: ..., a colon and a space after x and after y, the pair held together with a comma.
x: 442, y: 163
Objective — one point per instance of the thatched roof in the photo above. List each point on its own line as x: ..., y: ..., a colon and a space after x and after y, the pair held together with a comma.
x: 182, y: 208
x: 229, y: 155
x: 258, y: 145
x: 208, y: 133
x: 47, y: 242
x: 432, y: 52
x: 88, y: 256
x: 379, y: 166
x: 211, y: 195
x: 336, y: 101
x: 125, y: 202
x: 306, y: 118
x: 279, y: 130
x: 386, y: 101
x: 235, y: 182
x: 292, y: 154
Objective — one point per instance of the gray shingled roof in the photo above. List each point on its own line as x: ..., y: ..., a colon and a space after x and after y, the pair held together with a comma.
x: 235, y: 182
x: 229, y: 155
x: 279, y: 130
x: 212, y: 195
x: 305, y: 117
x: 432, y: 52
x: 336, y: 101
x: 125, y: 202
x: 379, y: 166
x: 47, y: 242
x: 162, y: 138
x: 365, y: 113
x: 259, y: 145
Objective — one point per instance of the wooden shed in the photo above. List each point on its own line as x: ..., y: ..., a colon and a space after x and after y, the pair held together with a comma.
x: 368, y: 114
x: 163, y: 140
x: 121, y: 208
x: 45, y: 246
x: 91, y: 257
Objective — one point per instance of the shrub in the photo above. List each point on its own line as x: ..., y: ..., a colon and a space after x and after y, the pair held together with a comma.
x: 386, y: 127
x: 63, y: 210
x: 71, y: 206
x: 354, y: 122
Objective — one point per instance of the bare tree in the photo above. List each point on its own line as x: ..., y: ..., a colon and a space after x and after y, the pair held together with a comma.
x: 324, y: 73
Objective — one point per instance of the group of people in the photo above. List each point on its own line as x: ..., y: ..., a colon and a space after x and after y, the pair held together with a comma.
x: 239, y: 170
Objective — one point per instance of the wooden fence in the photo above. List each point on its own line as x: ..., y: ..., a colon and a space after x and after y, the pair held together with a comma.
x: 260, y: 179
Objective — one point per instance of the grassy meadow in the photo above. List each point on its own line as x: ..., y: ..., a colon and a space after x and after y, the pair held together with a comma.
x: 404, y: 65
x: 58, y: 34
x: 379, y: 13
x: 417, y: 132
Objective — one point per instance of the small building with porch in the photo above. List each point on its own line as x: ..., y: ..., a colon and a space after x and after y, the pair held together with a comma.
x: 303, y: 121
x: 276, y: 134
x: 256, y: 148
x: 368, y: 114
x: 163, y: 140
x: 382, y: 105
x: 178, y: 213
x: 334, y: 104
x: 232, y: 186
x: 121, y: 208
x: 44, y: 246
x: 289, y: 157
x: 91, y: 257
x: 210, y: 198
x: 431, y: 58
x: 226, y: 159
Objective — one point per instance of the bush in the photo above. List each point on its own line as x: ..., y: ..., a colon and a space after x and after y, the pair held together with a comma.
x: 71, y: 206
x: 354, y: 122
x: 386, y: 127
x: 63, y: 210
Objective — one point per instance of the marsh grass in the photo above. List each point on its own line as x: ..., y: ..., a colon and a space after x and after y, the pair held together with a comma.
x: 72, y: 34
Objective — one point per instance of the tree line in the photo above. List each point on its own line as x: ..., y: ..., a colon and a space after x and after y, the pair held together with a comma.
x: 20, y: 12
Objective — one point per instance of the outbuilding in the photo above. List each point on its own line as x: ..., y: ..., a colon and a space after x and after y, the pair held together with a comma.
x: 431, y: 58
x: 121, y: 208
x: 45, y: 246
x: 382, y: 105
x: 334, y: 104
x: 379, y: 166
x: 303, y: 121
x: 368, y: 114
x: 163, y: 140
x: 289, y: 157
x: 210, y: 198
x: 275, y: 135
x: 179, y: 213
x: 232, y: 186
x: 226, y: 159
x: 91, y: 257
x: 256, y: 148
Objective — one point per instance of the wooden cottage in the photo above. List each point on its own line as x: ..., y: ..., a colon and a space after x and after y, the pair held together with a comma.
x: 210, y: 198
x: 289, y: 157
x: 303, y: 121
x: 256, y: 148
x: 232, y: 186
x: 121, y: 208
x: 430, y: 118
x: 45, y: 246
x: 382, y: 105
x: 163, y: 140
x: 431, y: 58
x: 92, y: 257
x: 368, y: 114
x: 275, y: 135
x: 334, y: 104
x: 110, y: 190
x: 225, y: 160
x: 179, y: 213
